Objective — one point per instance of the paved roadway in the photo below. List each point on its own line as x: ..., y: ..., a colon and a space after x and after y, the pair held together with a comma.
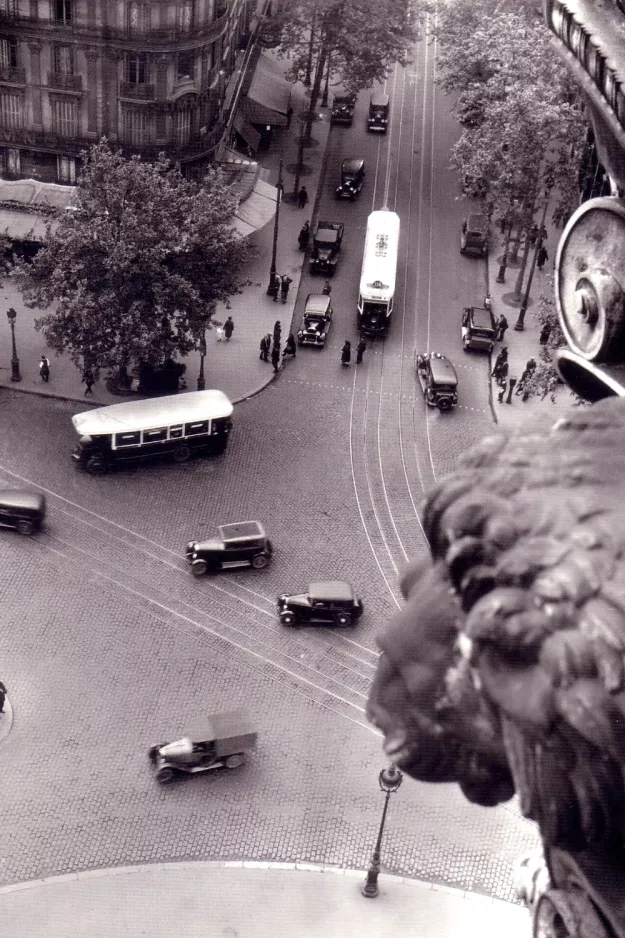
x: 110, y: 645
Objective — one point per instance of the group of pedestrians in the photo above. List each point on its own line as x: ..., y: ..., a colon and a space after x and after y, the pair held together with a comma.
x: 270, y: 347
x: 346, y: 351
x: 281, y: 287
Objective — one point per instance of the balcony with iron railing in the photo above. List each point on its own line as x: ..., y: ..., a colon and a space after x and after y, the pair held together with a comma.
x: 61, y: 81
x: 172, y: 36
x: 137, y: 92
x: 12, y: 75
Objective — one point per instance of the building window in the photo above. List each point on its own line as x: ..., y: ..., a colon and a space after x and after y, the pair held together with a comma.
x: 63, y: 11
x: 65, y: 117
x: 66, y: 169
x: 185, y: 15
x: 184, y: 65
x: 182, y: 127
x: 8, y: 6
x: 63, y: 60
x: 138, y: 128
x: 135, y: 69
x: 8, y: 52
x: 137, y: 15
x: 13, y: 163
x: 11, y: 110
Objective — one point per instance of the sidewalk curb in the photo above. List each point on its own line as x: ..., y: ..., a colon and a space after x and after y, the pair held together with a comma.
x: 251, y: 865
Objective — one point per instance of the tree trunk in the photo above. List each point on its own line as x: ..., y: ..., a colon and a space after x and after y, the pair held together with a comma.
x: 517, y: 294
x: 316, y: 88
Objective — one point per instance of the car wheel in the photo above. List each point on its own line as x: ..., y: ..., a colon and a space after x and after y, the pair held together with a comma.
x: 463, y: 250
x: 165, y: 775
x: 234, y: 761
x: 24, y: 527
x: 182, y: 452
x: 287, y: 618
x: 269, y: 547
x: 199, y: 567
x: 344, y: 619
x: 153, y: 752
x: 444, y: 404
x: 95, y: 465
x: 259, y: 561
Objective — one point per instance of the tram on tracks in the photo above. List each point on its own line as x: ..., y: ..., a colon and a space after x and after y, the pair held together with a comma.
x: 379, y: 270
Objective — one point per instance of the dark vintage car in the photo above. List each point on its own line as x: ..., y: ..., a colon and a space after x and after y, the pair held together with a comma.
x: 352, y: 178
x: 343, y: 109
x: 244, y: 544
x: 326, y: 247
x: 316, y: 321
x: 438, y: 379
x: 22, y: 510
x: 328, y: 602
x: 474, y: 235
x: 379, y: 106
x: 478, y: 328
x: 223, y: 740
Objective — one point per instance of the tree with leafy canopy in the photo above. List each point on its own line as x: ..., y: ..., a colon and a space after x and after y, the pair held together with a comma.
x: 524, y: 130
x: 361, y: 39
x: 136, y: 270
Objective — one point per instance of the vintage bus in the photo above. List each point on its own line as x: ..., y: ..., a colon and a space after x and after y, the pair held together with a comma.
x: 178, y: 426
x: 379, y: 267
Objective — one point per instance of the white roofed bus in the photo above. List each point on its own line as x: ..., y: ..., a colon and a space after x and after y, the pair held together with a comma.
x: 379, y: 268
x: 178, y: 426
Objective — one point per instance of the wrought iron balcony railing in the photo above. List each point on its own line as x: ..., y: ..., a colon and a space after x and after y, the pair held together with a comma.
x: 60, y: 81
x: 128, y: 89
x: 12, y: 75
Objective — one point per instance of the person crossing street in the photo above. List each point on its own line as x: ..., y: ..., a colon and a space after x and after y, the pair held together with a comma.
x: 360, y: 350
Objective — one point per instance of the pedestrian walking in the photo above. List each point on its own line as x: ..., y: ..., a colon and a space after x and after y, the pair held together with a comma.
x: 44, y: 368
x: 541, y: 257
x: 360, y: 350
x: 302, y: 197
x: 533, y: 235
x: 228, y: 328
x: 289, y: 347
x: 265, y: 347
x: 501, y: 358
x: 528, y: 371
x: 285, y: 283
x: 502, y: 325
x: 3, y: 694
x: 219, y: 333
x: 545, y: 332
x: 275, y: 358
x: 511, y: 384
x: 327, y: 288
x: 89, y: 380
x: 346, y: 353
x: 502, y: 391
x: 277, y: 332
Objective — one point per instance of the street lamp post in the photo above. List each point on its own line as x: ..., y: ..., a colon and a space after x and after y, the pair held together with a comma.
x: 326, y: 87
x: 15, y: 362
x: 201, y: 383
x: 390, y: 779
x: 272, y: 289
x: 501, y: 276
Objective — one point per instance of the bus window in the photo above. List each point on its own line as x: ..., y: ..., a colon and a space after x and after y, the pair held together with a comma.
x: 175, y: 432
x: 127, y: 439
x: 153, y: 436
x: 194, y: 429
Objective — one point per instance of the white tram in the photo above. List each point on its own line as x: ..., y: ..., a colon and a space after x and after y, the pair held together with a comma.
x: 379, y: 268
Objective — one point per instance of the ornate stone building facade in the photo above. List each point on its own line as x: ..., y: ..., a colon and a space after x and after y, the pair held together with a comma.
x: 150, y: 75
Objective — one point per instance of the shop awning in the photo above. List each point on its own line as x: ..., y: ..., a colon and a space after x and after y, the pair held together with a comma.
x: 256, y: 210
x: 23, y: 226
x: 269, y: 95
x: 245, y: 130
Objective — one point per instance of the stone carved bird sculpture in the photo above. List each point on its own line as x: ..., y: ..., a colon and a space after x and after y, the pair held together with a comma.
x: 505, y: 670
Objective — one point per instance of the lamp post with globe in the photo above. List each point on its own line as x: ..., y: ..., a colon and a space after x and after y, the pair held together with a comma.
x: 390, y: 779
x: 15, y: 362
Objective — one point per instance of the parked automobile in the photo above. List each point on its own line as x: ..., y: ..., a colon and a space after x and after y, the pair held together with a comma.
x: 478, y: 328
x: 327, y: 602
x: 243, y: 544
x: 379, y: 107
x: 316, y: 321
x: 343, y: 109
x: 326, y: 247
x: 22, y: 510
x: 223, y: 740
x: 438, y: 379
x: 352, y: 178
x: 474, y: 235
